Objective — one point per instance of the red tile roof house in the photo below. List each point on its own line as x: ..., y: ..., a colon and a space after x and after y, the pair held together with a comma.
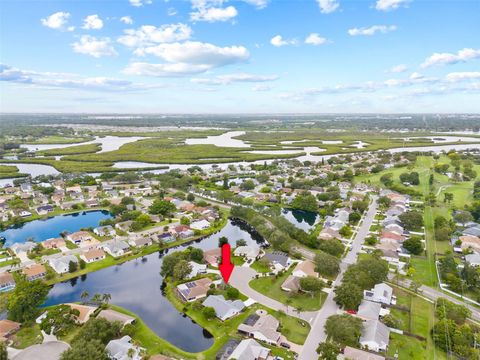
x: 193, y: 290
x: 183, y: 231
x: 7, y: 282
x: 54, y: 243
x: 8, y: 328
x: 212, y: 256
x: 79, y: 237
x: 35, y: 271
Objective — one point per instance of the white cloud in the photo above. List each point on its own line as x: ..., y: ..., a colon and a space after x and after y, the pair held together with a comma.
x: 398, y: 69
x: 315, y: 39
x: 149, y: 35
x: 213, y: 14
x: 388, y: 5
x: 463, y: 55
x: 461, y: 76
x: 193, y: 52
x: 57, y: 21
x: 171, y: 11
x: 92, y: 22
x: 261, y: 88
x: 164, y: 70
x: 328, y: 6
x: 126, y: 20
x: 372, y: 30
x: 231, y: 78
x: 68, y: 81
x: 278, y: 41
x: 96, y: 47
x: 138, y: 3
x: 259, y: 4
x: 187, y: 58
x: 416, y: 76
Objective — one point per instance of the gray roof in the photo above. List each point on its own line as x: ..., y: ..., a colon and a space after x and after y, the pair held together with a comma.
x: 47, y: 351
x: 475, y: 231
x: 23, y: 247
x: 369, y: 310
x: 118, y: 349
x: 374, y: 330
x: 277, y: 257
x: 223, y: 308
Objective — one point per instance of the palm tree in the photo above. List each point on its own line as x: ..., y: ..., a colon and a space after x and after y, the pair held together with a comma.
x: 97, y: 298
x: 106, y: 298
x: 84, y: 296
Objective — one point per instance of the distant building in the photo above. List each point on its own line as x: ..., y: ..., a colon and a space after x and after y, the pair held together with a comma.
x: 7, y: 282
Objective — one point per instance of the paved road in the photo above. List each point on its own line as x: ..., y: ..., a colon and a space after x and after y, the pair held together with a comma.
x: 329, y: 308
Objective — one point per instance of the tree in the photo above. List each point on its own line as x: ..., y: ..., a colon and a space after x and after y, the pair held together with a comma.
x: 333, y: 247
x: 247, y: 185
x: 305, y: 201
x: 360, y: 205
x: 223, y: 240
x: 348, y: 295
x: 241, y: 242
x: 463, y: 217
x: 412, y: 220
x: 448, y: 197
x: 384, y: 201
x: 232, y: 293
x: 344, y: 329
x: 106, y: 298
x: 311, y: 284
x: 84, y: 296
x: 354, y: 217
x: 387, y: 179
x: 209, y: 312
x: 328, y: 350
x: 59, y: 320
x: 414, y: 245
x: 181, y: 270
x: 25, y: 299
x: 196, y: 254
x: 161, y: 207
x: 72, y: 266
x: 99, y: 329
x: 447, y: 310
x: 326, y: 264
x: 191, y: 197
x: 3, y: 351
x: 82, y: 264
x: 86, y: 350
x: 169, y: 262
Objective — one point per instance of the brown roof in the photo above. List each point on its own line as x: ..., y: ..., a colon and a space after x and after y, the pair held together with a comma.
x: 93, y: 254
x: 392, y: 235
x: 6, y: 278
x: 307, y: 267
x: 34, y: 270
x: 85, y: 311
x: 7, y: 327
x: 212, y: 256
x: 53, y: 243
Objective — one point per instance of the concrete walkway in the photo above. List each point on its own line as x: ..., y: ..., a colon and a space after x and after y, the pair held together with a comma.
x: 317, y: 333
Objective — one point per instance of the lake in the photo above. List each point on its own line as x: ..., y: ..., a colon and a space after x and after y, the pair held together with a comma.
x: 304, y: 220
x: 136, y: 285
x: 51, y: 227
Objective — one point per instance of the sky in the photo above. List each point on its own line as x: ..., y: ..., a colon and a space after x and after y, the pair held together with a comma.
x: 245, y: 56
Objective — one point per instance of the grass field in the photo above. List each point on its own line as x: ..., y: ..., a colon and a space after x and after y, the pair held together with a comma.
x: 71, y: 150
x: 271, y: 287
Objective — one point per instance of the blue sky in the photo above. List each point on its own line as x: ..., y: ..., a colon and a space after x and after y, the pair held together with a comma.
x: 245, y: 56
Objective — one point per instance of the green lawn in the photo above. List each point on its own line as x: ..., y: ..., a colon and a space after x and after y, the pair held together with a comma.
x: 271, y: 287
x: 27, y: 336
x: 260, y: 267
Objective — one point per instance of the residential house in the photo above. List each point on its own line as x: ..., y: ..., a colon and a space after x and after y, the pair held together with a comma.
x: 112, y: 315
x: 8, y: 328
x: 261, y: 326
x: 194, y: 290
x: 249, y: 252
x: 357, y: 354
x: 291, y: 284
x: 85, y: 312
x: 213, y: 256
x: 54, y: 243
x: 250, y: 350
x: 224, y: 309
x: 115, y: 248
x: 141, y: 242
x: 369, y: 310
x: 44, y: 209
x: 470, y: 242
x: 123, y: 349
x: 279, y: 260
x: 92, y: 255
x: 78, y: 237
x: 183, y: 231
x: 200, y: 225
x: 7, y: 282
x: 381, y: 293
x: 35, y: 271
x: 61, y: 264
x: 166, y: 237
x: 375, y: 335
x: 197, y: 269
x: 304, y: 269
x: 107, y: 230
x: 473, y: 259
x: 124, y: 225
x: 23, y: 248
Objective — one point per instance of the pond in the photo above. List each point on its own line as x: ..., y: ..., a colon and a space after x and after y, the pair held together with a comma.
x: 136, y: 285
x: 304, y: 220
x: 34, y: 169
x: 223, y: 140
x: 40, y: 230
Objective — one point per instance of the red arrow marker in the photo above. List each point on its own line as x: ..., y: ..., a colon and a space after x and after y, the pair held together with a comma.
x: 226, y: 267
